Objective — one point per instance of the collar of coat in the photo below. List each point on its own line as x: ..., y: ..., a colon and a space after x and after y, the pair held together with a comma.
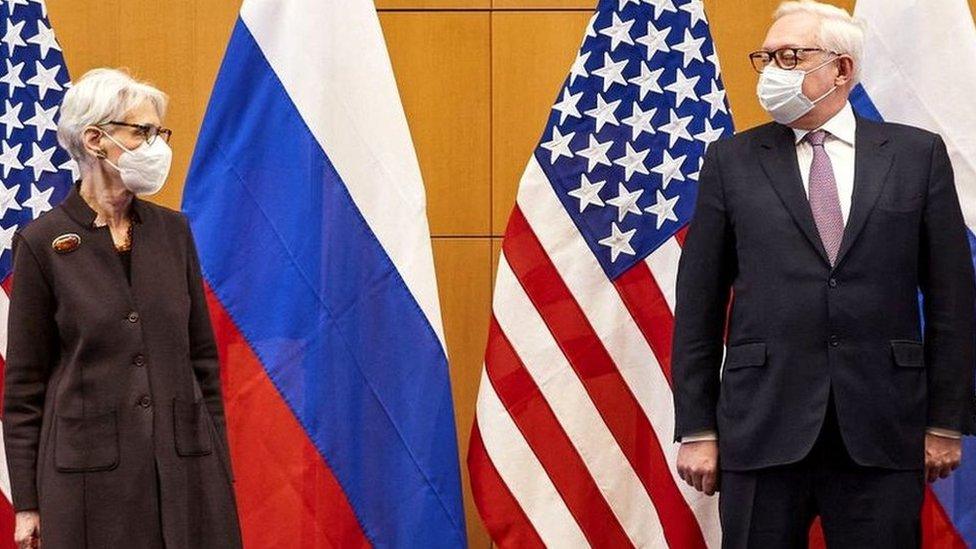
x: 84, y: 215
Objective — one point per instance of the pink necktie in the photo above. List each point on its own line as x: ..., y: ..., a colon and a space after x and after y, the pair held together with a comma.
x: 824, y: 201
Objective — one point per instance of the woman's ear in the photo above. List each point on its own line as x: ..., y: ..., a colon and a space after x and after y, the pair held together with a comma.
x: 92, y: 138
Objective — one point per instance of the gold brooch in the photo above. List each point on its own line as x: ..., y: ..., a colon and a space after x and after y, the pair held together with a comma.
x: 66, y: 243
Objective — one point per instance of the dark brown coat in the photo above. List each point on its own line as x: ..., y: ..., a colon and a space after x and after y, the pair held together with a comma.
x: 108, y: 383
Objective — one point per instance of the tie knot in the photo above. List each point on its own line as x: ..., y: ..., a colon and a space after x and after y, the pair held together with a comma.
x: 816, y: 138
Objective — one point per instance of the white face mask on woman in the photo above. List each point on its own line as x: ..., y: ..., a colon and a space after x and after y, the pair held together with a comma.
x: 780, y: 92
x: 145, y: 168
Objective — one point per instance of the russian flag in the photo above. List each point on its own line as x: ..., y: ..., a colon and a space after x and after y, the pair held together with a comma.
x: 920, y: 68
x: 307, y: 204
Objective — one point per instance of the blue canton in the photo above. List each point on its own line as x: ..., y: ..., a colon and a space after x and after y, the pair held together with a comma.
x: 626, y: 138
x: 35, y: 172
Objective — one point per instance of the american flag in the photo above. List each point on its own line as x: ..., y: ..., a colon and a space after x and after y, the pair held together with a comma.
x: 35, y: 172
x: 573, y: 438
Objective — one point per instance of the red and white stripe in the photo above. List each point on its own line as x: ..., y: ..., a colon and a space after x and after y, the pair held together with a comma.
x: 572, y: 443
x: 6, y: 505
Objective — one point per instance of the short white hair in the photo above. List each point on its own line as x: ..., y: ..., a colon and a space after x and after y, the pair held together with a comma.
x: 840, y: 32
x: 99, y: 96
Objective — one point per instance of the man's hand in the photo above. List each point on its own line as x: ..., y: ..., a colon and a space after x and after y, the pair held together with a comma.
x: 942, y: 456
x: 27, y: 530
x: 698, y: 465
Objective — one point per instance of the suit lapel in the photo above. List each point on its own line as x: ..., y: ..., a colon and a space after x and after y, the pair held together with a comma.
x: 872, y: 162
x: 777, y: 154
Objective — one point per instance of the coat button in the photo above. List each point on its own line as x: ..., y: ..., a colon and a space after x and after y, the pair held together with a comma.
x: 145, y: 401
x: 133, y: 317
x: 139, y: 360
x: 834, y: 341
x: 832, y: 282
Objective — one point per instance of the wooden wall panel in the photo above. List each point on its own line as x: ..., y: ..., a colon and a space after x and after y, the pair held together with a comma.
x: 432, y: 4
x: 441, y: 61
x: 532, y: 52
x: 464, y: 269
x: 585, y: 5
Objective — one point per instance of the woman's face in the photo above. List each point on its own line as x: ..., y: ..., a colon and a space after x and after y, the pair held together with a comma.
x: 127, y: 136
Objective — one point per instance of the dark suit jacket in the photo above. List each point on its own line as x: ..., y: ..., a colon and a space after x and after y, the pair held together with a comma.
x: 107, y: 382
x: 797, y: 327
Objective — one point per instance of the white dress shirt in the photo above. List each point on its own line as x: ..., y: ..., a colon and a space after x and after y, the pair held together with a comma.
x: 839, y: 144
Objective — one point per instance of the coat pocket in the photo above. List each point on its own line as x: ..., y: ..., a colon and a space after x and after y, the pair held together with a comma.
x: 191, y: 428
x: 746, y: 355
x: 907, y: 353
x: 86, y: 444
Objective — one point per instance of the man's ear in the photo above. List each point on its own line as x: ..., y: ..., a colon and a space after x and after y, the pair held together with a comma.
x: 845, y: 70
x: 92, y: 139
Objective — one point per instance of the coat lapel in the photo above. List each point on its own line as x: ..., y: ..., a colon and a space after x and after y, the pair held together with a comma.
x: 872, y: 162
x: 777, y: 154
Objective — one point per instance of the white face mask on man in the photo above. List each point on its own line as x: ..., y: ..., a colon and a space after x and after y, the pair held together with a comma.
x: 780, y: 92
x: 145, y: 168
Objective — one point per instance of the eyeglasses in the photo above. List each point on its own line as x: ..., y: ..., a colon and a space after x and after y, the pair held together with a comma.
x: 786, y: 58
x: 149, y: 132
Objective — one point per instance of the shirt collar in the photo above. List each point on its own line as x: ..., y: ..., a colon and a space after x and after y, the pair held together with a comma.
x: 81, y: 212
x: 842, y: 126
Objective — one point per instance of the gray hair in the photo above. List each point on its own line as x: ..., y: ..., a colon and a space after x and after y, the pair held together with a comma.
x: 839, y: 31
x: 99, y: 96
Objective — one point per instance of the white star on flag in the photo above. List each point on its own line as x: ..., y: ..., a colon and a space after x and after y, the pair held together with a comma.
x: 632, y: 162
x: 648, y: 80
x: 11, y: 117
x: 40, y: 160
x: 603, y: 112
x: 559, y: 145
x: 44, y: 39
x: 611, y: 72
x: 696, y: 9
x: 655, y: 40
x: 70, y: 165
x: 579, y: 67
x: 663, y: 208
x: 661, y: 6
x: 8, y: 199
x: 691, y: 48
x: 39, y: 201
x: 588, y: 193
x: 619, y: 32
x: 640, y: 121
x: 619, y: 242
x: 625, y: 201
x: 677, y: 128
x: 7, y: 238
x: 567, y: 107
x: 715, y: 99
x: 596, y: 153
x: 670, y: 169
x: 12, y: 77
x: 43, y: 120
x: 683, y: 88
x: 709, y: 135
x: 8, y: 158
x: 45, y: 79
x: 12, y: 37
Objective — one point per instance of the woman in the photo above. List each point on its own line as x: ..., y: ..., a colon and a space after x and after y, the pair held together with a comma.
x: 113, y: 421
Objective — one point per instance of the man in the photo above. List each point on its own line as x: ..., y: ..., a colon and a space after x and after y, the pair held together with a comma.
x: 812, y: 236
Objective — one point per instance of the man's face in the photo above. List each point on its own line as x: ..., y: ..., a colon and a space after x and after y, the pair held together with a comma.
x: 800, y: 30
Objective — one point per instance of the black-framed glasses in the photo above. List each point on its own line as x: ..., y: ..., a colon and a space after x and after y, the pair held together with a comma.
x: 149, y: 132
x: 786, y: 58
